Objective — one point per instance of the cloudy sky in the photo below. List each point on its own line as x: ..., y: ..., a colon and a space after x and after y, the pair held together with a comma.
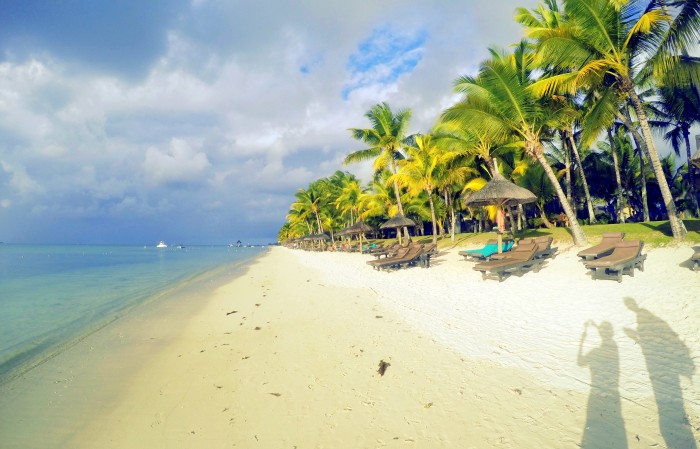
x: 195, y: 121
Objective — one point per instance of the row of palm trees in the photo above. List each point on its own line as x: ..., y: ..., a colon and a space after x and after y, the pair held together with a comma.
x: 560, y: 112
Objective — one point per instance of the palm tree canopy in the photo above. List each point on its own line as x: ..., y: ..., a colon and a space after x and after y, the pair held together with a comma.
x: 385, y: 138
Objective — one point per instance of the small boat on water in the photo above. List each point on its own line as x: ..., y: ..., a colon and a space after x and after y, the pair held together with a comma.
x: 161, y: 244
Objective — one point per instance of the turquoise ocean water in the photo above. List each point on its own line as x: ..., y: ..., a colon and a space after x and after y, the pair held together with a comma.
x: 51, y: 296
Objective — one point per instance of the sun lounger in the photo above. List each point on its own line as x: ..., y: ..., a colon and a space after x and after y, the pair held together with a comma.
x: 410, y: 257
x: 695, y: 259
x: 487, y: 251
x: 604, y: 248
x: 626, y: 256
x: 544, y: 247
x: 519, y: 260
x: 387, y: 251
x: 401, y: 252
x: 428, y: 252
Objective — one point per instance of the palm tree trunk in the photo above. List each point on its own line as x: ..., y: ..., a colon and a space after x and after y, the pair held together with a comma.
x: 576, y: 231
x: 397, y: 192
x: 618, y: 179
x: 432, y: 215
x: 677, y: 227
x: 584, y: 181
x: 567, y: 166
x: 691, y: 177
x: 511, y: 219
x: 522, y: 219
x: 641, y: 151
x: 547, y: 224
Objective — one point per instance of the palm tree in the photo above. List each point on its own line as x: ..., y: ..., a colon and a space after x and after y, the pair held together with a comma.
x: 348, y: 200
x: 535, y: 180
x: 385, y: 138
x: 423, y: 171
x: 500, y: 102
x: 312, y: 201
x: 605, y: 43
x: 678, y: 109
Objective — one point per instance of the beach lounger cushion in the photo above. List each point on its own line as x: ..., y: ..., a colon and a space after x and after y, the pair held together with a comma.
x: 487, y: 251
x: 544, y: 247
x: 626, y: 256
x: 409, y: 257
x: 605, y: 247
x: 518, y: 261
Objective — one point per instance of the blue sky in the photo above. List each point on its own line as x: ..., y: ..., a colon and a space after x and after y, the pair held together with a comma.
x: 195, y: 121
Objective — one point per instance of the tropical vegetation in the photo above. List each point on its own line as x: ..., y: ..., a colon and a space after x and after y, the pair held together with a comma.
x: 569, y: 113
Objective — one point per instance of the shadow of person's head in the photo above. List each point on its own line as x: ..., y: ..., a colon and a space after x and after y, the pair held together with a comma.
x: 631, y: 304
x: 605, y: 329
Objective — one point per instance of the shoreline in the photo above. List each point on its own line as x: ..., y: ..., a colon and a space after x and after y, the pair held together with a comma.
x: 89, y: 373
x: 55, y: 341
x: 288, y: 354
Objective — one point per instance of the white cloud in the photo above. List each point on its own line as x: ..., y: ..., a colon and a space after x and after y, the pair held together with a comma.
x: 244, y: 106
x: 21, y: 182
x: 178, y: 163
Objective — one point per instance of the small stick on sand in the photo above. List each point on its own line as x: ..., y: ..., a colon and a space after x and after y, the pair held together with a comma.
x: 382, y: 367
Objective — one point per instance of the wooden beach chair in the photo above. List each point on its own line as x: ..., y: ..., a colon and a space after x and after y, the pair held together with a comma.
x: 626, y: 256
x: 544, y: 247
x: 388, y: 251
x: 485, y: 253
x: 518, y: 261
x: 401, y: 252
x: 410, y: 257
x: 695, y: 259
x: 604, y: 248
x: 428, y: 252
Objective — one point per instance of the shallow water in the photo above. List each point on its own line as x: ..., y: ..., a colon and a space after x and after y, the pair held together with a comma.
x: 53, y: 296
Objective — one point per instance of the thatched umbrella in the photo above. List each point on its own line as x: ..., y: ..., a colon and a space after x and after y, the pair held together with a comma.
x: 499, y: 192
x: 359, y: 228
x: 397, y: 221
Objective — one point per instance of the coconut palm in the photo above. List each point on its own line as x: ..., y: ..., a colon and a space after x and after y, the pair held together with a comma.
x: 678, y: 109
x: 606, y: 43
x: 535, y: 180
x: 385, y: 138
x: 423, y: 170
x: 500, y: 102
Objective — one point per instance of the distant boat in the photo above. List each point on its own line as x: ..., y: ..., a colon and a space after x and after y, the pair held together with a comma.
x: 161, y: 244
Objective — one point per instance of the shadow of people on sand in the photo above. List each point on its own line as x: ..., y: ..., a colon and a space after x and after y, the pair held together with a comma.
x: 604, y: 426
x: 667, y: 358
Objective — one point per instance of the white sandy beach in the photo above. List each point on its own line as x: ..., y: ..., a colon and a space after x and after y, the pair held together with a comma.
x: 287, y: 356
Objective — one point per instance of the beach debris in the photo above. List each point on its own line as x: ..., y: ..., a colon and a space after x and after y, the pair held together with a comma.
x: 378, y: 316
x: 382, y: 367
x: 231, y: 312
x: 257, y: 305
x: 428, y: 405
x: 519, y: 391
x: 276, y: 394
x: 257, y: 328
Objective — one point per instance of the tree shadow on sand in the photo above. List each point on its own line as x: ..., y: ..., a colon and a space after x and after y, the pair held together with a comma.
x: 667, y: 359
x: 604, y: 426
